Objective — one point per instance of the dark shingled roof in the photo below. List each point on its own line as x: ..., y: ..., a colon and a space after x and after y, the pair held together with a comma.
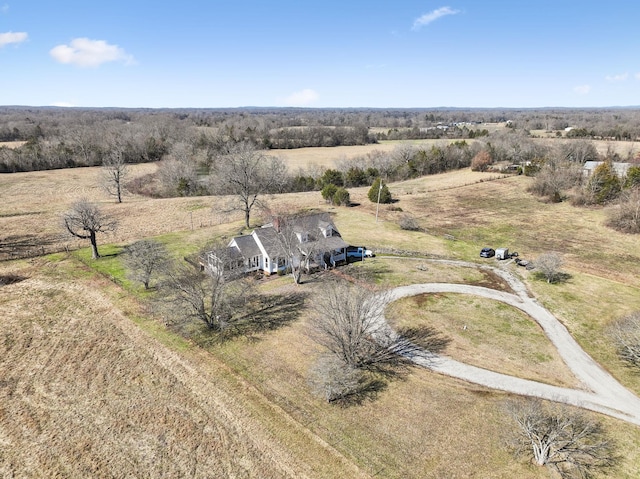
x: 247, y: 246
x: 268, y: 236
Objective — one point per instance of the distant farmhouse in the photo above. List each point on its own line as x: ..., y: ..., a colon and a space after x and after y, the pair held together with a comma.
x: 309, y: 241
x: 621, y: 169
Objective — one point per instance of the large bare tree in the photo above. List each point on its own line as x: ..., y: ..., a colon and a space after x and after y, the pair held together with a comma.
x: 558, y: 437
x: 246, y: 173
x: 359, y: 345
x: 347, y: 322
x: 85, y: 220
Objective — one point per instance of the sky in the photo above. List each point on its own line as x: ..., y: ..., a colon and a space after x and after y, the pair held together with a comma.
x: 320, y: 54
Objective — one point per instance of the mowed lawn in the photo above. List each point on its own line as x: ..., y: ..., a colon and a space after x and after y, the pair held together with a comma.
x: 88, y: 371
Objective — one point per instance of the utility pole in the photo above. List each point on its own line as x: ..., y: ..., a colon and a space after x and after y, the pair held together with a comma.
x: 378, y: 205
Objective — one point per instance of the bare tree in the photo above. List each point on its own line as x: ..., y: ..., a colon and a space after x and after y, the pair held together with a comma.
x: 347, y: 323
x: 334, y: 380
x: 626, y: 336
x: 557, y: 437
x: 85, y: 220
x: 198, y: 295
x: 555, y: 178
x: 246, y: 173
x: 293, y: 238
x: 626, y: 217
x: 114, y: 173
x: 216, y: 297
x: 145, y: 259
x: 548, y: 266
x: 577, y: 151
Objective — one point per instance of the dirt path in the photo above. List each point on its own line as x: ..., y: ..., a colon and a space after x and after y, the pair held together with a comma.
x: 601, y: 393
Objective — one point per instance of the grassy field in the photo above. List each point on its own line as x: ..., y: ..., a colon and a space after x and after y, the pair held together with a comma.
x: 305, y: 158
x: 92, y: 385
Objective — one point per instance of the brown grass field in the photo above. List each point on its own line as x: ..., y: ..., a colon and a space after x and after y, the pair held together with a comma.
x: 91, y: 385
x: 305, y: 158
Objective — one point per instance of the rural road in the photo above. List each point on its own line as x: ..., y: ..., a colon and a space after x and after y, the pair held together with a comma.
x: 601, y: 392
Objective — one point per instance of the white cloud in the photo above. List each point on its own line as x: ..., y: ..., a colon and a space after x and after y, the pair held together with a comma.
x: 12, y: 37
x: 637, y: 75
x: 302, y: 98
x: 427, y: 18
x: 614, y: 78
x: 84, y: 52
x: 582, y: 89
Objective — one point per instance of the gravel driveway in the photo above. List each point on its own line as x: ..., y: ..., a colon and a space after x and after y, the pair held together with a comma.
x: 601, y: 392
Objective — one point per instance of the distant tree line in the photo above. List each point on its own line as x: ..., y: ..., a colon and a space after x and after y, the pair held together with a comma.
x: 70, y: 137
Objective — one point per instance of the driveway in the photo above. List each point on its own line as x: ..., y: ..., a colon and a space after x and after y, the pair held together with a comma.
x: 600, y: 391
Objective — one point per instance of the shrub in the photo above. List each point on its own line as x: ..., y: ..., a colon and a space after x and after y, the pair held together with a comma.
x: 333, y: 177
x: 481, y: 161
x: 633, y: 177
x: 409, y: 223
x: 328, y: 192
x: 626, y: 218
x: 341, y: 197
x: 379, y: 189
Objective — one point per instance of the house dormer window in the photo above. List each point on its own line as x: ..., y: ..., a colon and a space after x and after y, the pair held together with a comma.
x: 303, y: 237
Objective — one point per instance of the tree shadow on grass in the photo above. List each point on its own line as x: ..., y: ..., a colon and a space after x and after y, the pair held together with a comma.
x: 11, y: 279
x: 397, y: 358
x: 556, y: 279
x: 262, y: 313
x: 27, y: 246
x: 368, y: 390
x: 396, y: 363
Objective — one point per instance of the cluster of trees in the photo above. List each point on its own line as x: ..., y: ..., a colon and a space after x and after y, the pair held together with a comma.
x: 555, y: 178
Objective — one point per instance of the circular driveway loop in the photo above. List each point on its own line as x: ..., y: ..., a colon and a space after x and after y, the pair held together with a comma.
x: 601, y: 393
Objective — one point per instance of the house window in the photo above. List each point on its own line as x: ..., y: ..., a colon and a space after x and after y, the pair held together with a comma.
x: 266, y: 263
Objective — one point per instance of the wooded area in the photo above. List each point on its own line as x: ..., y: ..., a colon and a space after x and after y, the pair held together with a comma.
x: 68, y: 137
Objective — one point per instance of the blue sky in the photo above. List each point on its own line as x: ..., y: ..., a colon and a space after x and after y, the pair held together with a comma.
x: 348, y: 53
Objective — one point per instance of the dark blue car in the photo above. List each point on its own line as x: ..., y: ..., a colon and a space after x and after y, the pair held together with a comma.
x: 487, y: 252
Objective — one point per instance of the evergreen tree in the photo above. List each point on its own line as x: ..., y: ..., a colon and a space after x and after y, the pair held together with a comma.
x: 604, y: 183
x: 379, y: 188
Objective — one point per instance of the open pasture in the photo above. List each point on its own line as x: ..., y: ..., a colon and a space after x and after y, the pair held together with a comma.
x: 87, y: 370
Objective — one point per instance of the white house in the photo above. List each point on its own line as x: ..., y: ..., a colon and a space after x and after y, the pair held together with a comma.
x: 310, y: 240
